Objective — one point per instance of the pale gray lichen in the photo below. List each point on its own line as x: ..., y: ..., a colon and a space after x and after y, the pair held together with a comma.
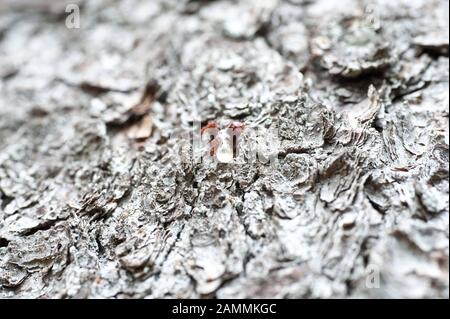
x: 101, y: 195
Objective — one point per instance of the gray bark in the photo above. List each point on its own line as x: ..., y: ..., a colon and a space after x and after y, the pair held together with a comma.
x: 97, y: 199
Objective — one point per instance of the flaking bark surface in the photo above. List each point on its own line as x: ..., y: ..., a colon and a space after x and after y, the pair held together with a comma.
x: 98, y: 200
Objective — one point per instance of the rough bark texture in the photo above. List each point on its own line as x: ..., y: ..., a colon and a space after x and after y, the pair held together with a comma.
x: 95, y: 202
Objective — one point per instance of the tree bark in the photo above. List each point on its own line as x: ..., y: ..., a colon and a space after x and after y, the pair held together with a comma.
x: 102, y: 196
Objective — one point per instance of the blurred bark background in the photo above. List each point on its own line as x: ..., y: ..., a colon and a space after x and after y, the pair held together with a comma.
x: 96, y: 200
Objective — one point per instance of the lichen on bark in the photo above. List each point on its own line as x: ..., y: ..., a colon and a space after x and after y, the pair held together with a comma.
x: 100, y: 196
